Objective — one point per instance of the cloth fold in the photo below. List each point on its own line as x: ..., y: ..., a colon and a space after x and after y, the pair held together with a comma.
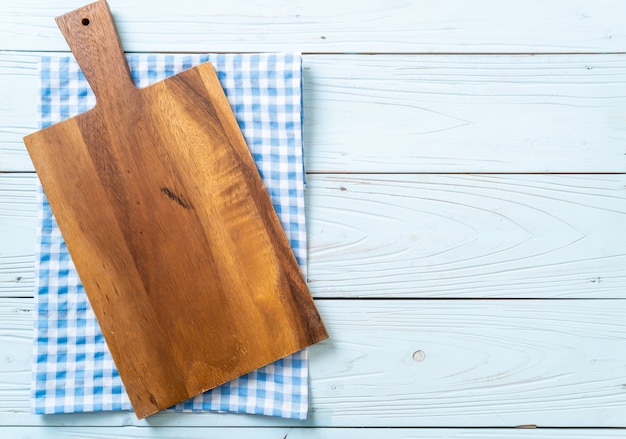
x: 72, y: 369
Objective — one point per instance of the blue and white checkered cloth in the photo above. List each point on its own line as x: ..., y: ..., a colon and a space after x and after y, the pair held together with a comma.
x: 73, y: 370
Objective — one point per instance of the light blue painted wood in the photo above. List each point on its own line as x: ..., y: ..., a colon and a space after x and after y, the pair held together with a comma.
x: 422, y: 113
x: 550, y: 363
x: 466, y: 113
x: 329, y: 26
x: 467, y: 235
x: 18, y: 222
x: 304, y: 433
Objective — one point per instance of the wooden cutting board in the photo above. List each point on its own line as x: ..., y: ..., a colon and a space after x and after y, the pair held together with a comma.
x: 173, y: 234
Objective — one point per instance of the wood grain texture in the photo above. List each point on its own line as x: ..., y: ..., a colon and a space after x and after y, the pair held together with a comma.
x: 18, y: 108
x: 171, y: 230
x: 505, y: 236
x: 328, y: 26
x: 467, y: 236
x: 308, y: 433
x: 465, y: 114
x: 550, y: 363
x: 435, y: 113
x: 18, y: 224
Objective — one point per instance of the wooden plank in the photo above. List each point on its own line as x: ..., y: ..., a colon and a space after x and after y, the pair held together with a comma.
x: 328, y: 26
x: 413, y: 363
x: 18, y: 224
x: 465, y: 114
x: 168, y: 221
x: 548, y: 236
x: 422, y: 113
x: 467, y: 235
x: 307, y: 433
x: 19, y: 88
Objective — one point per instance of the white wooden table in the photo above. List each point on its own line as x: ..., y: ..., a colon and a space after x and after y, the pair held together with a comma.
x: 456, y: 150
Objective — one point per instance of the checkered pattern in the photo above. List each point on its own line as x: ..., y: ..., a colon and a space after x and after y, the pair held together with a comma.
x: 73, y: 370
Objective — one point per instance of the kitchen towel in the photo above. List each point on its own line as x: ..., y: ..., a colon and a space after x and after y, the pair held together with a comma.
x: 72, y: 369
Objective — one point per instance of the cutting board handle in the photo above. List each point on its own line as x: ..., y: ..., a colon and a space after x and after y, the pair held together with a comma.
x: 91, y: 35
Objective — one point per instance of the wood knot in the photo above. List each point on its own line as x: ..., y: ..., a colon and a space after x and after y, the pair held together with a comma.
x: 418, y: 356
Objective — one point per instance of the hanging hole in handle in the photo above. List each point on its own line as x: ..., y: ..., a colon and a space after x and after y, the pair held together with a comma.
x: 85, y: 21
